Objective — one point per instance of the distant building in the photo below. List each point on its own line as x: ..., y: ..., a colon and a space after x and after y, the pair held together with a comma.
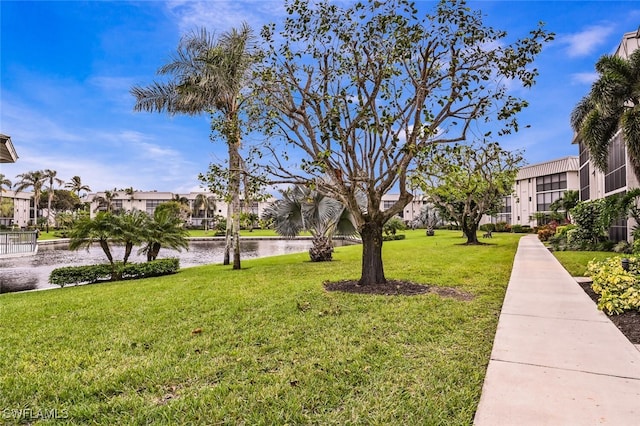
x: 619, y: 176
x: 147, y: 201
x: 536, y: 187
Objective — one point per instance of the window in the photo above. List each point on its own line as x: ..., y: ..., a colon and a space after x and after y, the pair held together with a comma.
x: 551, y: 182
x: 387, y: 204
x: 544, y: 200
x: 152, y: 204
x: 584, y: 183
x: 616, y: 175
x: 584, y: 153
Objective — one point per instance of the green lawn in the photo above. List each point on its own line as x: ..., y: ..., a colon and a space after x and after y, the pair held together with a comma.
x: 576, y: 261
x: 261, y: 346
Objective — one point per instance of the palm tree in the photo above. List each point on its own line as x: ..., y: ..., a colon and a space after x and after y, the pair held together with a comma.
x: 130, y: 229
x: 35, y: 180
x: 209, y: 76
x: 76, y: 185
x: 164, y: 230
x: 302, y: 209
x: 612, y: 104
x: 87, y: 231
x: 106, y: 201
x: 4, y: 183
x: 205, y: 202
x: 50, y: 175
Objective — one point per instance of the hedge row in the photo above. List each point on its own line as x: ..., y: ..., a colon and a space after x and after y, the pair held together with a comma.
x: 95, y: 273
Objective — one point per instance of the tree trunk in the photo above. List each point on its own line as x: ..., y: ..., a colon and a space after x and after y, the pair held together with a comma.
x: 372, y: 270
x: 227, y: 235
x: 470, y: 229
x: 127, y: 252
x: 322, y: 249
x: 234, y: 187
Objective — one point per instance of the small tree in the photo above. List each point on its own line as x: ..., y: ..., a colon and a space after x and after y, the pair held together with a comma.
x: 165, y: 229
x: 357, y: 92
x: 468, y: 181
x: 301, y: 209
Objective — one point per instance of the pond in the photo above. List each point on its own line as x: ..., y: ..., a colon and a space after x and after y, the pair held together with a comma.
x: 32, y: 272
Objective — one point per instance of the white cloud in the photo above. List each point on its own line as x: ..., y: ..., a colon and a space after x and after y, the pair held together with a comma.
x: 222, y: 15
x: 585, y: 42
x: 584, y: 78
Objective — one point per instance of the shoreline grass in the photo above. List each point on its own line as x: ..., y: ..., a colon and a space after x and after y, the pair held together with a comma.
x: 263, y: 345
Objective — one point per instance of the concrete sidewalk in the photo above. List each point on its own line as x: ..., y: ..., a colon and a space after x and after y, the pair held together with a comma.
x: 556, y: 359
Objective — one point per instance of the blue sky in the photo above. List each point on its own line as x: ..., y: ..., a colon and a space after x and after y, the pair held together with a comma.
x: 66, y: 69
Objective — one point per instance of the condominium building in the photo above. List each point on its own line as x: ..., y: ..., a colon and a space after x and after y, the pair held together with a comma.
x: 147, y: 201
x: 618, y: 176
x: 537, y: 186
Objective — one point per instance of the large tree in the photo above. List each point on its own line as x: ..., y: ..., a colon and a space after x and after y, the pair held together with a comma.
x: 209, y: 75
x: 468, y: 181
x: 613, y: 104
x: 35, y: 180
x: 356, y: 92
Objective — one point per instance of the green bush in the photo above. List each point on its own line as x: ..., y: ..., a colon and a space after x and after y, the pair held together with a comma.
x: 80, y: 274
x: 488, y: 227
x: 95, y: 273
x: 393, y: 225
x: 520, y: 229
x: 393, y: 237
x: 619, y: 290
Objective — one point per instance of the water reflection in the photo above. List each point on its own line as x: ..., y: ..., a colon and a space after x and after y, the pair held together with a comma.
x: 32, y: 272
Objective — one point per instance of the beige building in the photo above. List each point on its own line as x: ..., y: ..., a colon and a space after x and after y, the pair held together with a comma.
x: 536, y: 187
x: 147, y: 201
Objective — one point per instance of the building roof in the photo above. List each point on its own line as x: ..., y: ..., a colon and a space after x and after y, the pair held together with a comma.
x: 7, y: 151
x: 566, y: 164
x: 630, y: 42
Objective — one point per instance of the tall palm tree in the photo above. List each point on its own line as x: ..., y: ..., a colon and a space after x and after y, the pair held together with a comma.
x: 209, y: 76
x: 35, y: 180
x: 206, y: 202
x: 301, y: 209
x: 50, y: 176
x: 4, y: 183
x: 75, y: 185
x: 612, y: 104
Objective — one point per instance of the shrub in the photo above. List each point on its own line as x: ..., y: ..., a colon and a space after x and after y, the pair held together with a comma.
x: 619, y: 290
x: 393, y: 225
x: 95, y: 273
x: 623, y: 247
x: 546, y: 232
x: 488, y: 227
x: 393, y: 237
x: 520, y: 229
x: 502, y: 227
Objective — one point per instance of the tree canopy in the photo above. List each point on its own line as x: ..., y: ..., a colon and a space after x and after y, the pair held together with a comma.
x: 356, y: 92
x: 468, y: 181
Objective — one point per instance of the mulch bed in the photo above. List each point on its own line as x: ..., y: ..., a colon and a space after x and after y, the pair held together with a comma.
x: 628, y: 323
x: 396, y: 288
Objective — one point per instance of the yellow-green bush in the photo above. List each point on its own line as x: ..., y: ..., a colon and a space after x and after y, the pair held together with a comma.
x: 619, y: 290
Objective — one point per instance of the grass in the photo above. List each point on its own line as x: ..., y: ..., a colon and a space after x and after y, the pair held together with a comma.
x: 263, y: 345
x: 575, y: 262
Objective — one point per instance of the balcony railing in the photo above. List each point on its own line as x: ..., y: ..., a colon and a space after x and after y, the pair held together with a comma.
x: 16, y: 243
